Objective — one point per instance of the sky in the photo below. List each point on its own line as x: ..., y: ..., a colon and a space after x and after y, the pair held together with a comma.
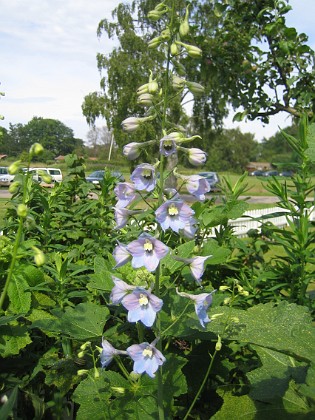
x: 48, y: 65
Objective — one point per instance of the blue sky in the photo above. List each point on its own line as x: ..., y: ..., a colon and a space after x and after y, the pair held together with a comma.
x: 48, y: 59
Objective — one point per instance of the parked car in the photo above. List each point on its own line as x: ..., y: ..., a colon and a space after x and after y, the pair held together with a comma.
x: 286, y: 173
x: 271, y: 173
x: 5, y: 180
x: 3, y: 170
x: 55, y: 174
x: 257, y: 173
x: 97, y: 176
x: 213, y: 179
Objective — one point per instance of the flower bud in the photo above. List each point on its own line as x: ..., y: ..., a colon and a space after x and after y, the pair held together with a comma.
x: 218, y: 345
x: 174, y: 49
x: 196, y: 156
x: 143, y: 89
x: 14, y: 167
x: 39, y: 257
x: 118, y: 389
x: 155, y: 42
x: 81, y: 354
x: 132, y: 150
x: 177, y: 82
x: 84, y: 346
x: 14, y: 187
x: 184, y: 28
x: 36, y: 149
x: 191, y: 50
x: 153, y: 86
x: 226, y: 301
x: 223, y: 288
x: 82, y: 372
x: 130, y: 124
x: 235, y: 319
x: 22, y: 210
x: 154, y: 15
x: 145, y: 99
x: 96, y: 373
x: 195, y: 88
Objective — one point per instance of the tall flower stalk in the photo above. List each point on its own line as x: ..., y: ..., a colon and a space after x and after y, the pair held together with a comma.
x: 174, y: 219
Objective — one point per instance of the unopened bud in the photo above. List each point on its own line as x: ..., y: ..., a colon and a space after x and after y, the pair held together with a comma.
x: 81, y: 354
x: 191, y: 50
x: 143, y: 89
x: 22, y: 210
x: 184, y: 28
x: 145, y: 99
x: 174, y: 49
x: 96, y: 373
x: 85, y: 345
x: 178, y: 82
x: 36, y: 149
x: 154, y: 15
x: 39, y: 257
x: 118, y: 389
x: 82, y: 372
x: 14, y: 167
x: 153, y: 86
x: 226, y: 301
x: 155, y: 42
x: 14, y: 187
x: 195, y: 88
x: 223, y: 288
x: 235, y: 319
x: 218, y: 345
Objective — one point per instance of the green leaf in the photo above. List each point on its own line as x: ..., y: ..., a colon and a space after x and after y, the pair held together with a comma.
x: 102, y: 279
x: 84, y: 322
x: 92, y: 394
x: 310, y: 152
x: 13, y: 338
x: 20, y: 299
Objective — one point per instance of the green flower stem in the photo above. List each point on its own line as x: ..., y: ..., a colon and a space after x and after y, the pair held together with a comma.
x: 13, y: 261
x: 202, y: 384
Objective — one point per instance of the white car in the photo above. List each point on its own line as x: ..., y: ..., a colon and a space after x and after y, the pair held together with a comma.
x: 55, y: 174
x: 5, y: 180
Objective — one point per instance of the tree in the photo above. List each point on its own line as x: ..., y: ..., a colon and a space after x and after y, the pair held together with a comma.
x: 251, y: 60
x: 54, y: 136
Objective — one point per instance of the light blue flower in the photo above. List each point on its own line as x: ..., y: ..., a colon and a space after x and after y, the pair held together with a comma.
x: 121, y: 255
x: 120, y: 290
x: 108, y: 353
x: 122, y: 216
x: 147, y: 358
x: 189, y: 229
x: 147, y: 252
x: 196, y: 265
x: 142, y: 306
x: 202, y: 303
x: 125, y: 193
x: 144, y: 177
x: 197, y: 185
x: 174, y: 214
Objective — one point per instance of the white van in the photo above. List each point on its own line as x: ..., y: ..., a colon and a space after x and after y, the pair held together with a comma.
x: 55, y: 173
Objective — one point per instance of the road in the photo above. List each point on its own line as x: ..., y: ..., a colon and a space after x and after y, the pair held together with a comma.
x: 4, y: 193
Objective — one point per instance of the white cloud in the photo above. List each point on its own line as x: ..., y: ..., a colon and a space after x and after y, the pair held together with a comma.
x: 48, y: 58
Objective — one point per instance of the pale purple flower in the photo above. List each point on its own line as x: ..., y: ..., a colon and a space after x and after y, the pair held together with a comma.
x: 173, y: 214
x: 125, y: 193
x: 132, y: 150
x: 170, y: 194
x: 167, y: 146
x: 189, y: 229
x: 142, y: 306
x: 147, y: 358
x: 196, y: 265
x: 147, y: 252
x: 122, y: 216
x: 144, y: 177
x: 197, y: 186
x: 120, y: 290
x: 121, y: 255
x: 108, y: 353
x: 202, y: 303
x: 196, y: 156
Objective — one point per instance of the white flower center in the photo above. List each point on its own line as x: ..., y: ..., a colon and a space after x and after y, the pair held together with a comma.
x: 148, y: 246
x: 147, y: 352
x: 173, y: 210
x: 143, y: 299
